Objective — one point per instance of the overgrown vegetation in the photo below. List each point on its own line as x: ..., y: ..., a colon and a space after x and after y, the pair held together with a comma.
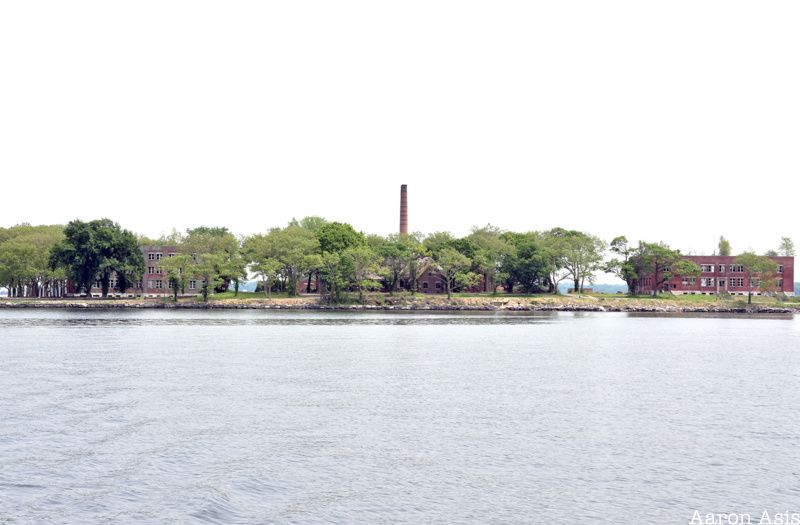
x: 313, y: 255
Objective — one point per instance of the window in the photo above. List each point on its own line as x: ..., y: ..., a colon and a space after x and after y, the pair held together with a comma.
x: 158, y: 284
x: 193, y: 284
x: 707, y: 281
x: 98, y: 284
x: 151, y: 256
x: 169, y: 285
x: 171, y: 255
x: 780, y: 268
x: 425, y: 284
x: 737, y: 268
x: 151, y: 284
x: 780, y: 284
x: 722, y: 282
x: 438, y: 286
x: 112, y: 283
x: 707, y: 268
x: 151, y: 269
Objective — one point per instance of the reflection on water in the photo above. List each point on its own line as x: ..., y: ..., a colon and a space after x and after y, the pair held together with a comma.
x: 295, y: 417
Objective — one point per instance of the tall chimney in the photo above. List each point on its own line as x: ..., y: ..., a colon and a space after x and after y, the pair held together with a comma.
x: 403, y: 210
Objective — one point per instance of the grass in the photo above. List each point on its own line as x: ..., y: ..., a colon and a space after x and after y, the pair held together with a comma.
x: 246, y: 296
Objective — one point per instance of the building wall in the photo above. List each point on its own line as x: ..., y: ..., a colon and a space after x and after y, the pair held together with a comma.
x: 154, y: 282
x: 721, y: 274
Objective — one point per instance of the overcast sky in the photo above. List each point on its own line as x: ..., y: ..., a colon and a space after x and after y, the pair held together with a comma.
x: 674, y: 121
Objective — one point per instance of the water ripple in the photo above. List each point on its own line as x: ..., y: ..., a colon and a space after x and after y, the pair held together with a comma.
x: 441, y: 418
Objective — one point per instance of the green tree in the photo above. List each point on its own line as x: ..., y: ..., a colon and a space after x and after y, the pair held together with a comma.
x: 334, y: 274
x: 218, y: 245
x: 455, y: 269
x: 260, y: 252
x: 24, y: 261
x: 554, y: 247
x: 394, y: 254
x: 756, y: 267
x: 724, y: 246
x: 437, y: 241
x: 659, y: 261
x: 96, y: 250
x: 490, y: 252
x: 336, y: 237
x: 627, y: 266
x: 582, y: 255
x: 313, y: 224
x: 178, y: 268
x: 361, y: 264
x: 296, y: 249
x: 786, y: 247
x: 525, y: 262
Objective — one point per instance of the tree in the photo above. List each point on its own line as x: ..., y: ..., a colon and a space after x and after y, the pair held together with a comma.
x: 436, y: 241
x: 628, y: 266
x: 582, y: 255
x: 269, y: 270
x: 724, y: 246
x: 756, y: 267
x: 525, y: 262
x: 786, y: 247
x: 229, y: 265
x: 489, y: 253
x: 454, y: 267
x: 24, y: 261
x: 336, y: 237
x: 659, y: 261
x: 361, y: 264
x: 207, y: 266
x: 554, y: 248
x: 333, y: 273
x: 295, y: 248
x: 417, y: 259
x: 178, y: 268
x: 313, y: 224
x: 394, y: 254
x: 96, y: 250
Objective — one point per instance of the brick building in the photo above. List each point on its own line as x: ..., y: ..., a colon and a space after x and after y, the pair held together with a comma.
x: 154, y: 281
x: 721, y: 274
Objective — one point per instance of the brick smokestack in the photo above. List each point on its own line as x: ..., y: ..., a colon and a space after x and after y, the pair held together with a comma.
x: 403, y: 210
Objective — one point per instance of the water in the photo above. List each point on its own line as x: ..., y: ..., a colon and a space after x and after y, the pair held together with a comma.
x: 276, y: 417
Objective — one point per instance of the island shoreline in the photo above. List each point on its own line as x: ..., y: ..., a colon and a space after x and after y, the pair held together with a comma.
x: 483, y: 304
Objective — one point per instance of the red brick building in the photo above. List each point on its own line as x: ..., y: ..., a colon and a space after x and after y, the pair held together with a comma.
x: 721, y: 274
x: 154, y: 281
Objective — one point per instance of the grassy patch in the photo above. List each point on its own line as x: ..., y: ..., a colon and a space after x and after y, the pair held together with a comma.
x: 245, y: 296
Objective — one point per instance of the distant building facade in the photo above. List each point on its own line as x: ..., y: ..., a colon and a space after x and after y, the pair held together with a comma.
x: 154, y: 281
x: 721, y: 274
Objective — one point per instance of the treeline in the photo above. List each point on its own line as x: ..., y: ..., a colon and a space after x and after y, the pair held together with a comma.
x: 38, y: 261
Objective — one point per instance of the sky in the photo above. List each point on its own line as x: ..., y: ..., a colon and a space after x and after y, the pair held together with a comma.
x: 663, y: 121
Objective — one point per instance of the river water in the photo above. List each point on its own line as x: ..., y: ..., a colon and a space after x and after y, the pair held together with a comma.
x: 277, y: 417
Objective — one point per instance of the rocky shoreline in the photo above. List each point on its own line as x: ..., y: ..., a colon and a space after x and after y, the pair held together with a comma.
x: 472, y: 304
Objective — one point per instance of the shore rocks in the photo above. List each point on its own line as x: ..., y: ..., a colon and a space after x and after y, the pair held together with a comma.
x: 424, y: 303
